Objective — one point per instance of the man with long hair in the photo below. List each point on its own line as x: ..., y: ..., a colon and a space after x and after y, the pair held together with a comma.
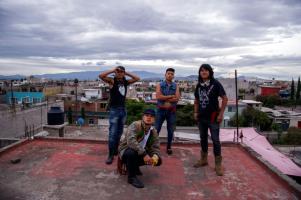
x: 208, y: 114
x: 118, y: 91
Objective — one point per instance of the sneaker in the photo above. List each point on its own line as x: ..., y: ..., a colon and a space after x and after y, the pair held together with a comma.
x: 134, y: 181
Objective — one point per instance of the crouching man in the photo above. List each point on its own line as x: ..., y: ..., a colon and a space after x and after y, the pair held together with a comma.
x: 140, y: 146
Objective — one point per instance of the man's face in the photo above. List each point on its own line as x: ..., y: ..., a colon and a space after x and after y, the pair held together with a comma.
x: 169, y: 75
x: 119, y: 73
x: 148, y: 119
x: 204, y: 73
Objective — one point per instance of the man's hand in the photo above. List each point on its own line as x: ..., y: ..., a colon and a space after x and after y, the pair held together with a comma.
x: 171, y: 98
x: 220, y: 117
x: 115, y: 70
x: 148, y: 160
x: 155, y: 159
x: 196, y: 116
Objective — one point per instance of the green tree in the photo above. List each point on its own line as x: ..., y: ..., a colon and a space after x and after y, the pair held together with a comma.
x: 262, y: 120
x: 293, y: 137
x: 251, y: 117
x: 292, y: 90
x: 269, y: 101
x: 83, y: 113
x: 241, y: 91
x: 135, y: 109
x: 233, y: 121
x: 276, y: 127
x: 185, y: 116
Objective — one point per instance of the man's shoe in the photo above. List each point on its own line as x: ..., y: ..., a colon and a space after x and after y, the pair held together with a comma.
x: 169, y: 151
x: 218, y: 166
x: 203, y: 161
x: 110, y: 159
x: 134, y: 181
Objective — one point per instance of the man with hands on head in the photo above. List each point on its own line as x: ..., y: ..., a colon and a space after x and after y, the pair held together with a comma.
x: 118, y: 90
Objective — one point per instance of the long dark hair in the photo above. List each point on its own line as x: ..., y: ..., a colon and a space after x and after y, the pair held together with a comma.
x: 206, y: 67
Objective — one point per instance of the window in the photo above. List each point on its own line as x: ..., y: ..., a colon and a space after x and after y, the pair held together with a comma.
x: 230, y: 109
x: 103, y: 105
x: 36, y: 100
x: 91, y: 121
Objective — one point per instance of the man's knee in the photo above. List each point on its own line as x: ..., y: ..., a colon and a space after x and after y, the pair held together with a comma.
x: 215, y: 140
x: 130, y: 153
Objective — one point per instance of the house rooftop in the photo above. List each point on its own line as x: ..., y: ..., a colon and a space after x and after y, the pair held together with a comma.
x: 53, y: 168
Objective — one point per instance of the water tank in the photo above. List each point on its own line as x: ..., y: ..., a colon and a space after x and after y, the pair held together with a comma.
x: 55, y: 116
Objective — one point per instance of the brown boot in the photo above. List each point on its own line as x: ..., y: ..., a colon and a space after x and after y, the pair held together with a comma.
x: 203, y: 161
x: 218, y: 166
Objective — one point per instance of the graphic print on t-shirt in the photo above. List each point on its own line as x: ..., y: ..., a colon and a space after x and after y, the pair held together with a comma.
x: 121, y: 89
x: 204, y: 97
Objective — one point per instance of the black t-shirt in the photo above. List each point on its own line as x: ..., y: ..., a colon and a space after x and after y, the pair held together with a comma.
x: 207, y: 96
x: 118, y: 93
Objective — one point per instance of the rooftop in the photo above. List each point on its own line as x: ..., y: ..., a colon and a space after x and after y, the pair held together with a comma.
x: 74, y: 169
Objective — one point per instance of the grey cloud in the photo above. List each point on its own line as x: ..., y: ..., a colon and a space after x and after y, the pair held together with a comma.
x: 48, y: 29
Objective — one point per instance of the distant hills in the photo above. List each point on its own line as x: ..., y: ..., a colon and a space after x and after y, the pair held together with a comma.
x: 86, y: 75
x: 93, y: 75
x: 11, y: 77
x: 89, y: 75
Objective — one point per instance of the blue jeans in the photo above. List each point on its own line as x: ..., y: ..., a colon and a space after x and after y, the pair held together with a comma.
x: 117, y: 120
x: 214, y: 130
x: 170, y: 117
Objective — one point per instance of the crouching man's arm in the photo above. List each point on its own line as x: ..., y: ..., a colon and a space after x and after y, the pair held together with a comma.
x: 154, y: 151
x: 132, y: 141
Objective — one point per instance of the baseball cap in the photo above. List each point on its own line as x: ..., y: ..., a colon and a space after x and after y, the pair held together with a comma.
x: 150, y: 112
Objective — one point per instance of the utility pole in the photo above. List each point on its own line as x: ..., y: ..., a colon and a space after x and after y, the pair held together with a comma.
x: 12, y: 95
x: 236, y: 103
x: 76, y: 84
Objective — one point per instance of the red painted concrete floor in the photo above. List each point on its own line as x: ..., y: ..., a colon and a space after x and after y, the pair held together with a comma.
x: 52, y: 169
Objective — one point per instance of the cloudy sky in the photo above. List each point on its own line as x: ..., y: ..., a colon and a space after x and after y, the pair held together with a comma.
x: 262, y: 38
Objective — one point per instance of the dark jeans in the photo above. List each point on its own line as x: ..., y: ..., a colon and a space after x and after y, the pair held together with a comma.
x: 133, y: 161
x: 117, y: 120
x: 214, y: 130
x: 170, y: 117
